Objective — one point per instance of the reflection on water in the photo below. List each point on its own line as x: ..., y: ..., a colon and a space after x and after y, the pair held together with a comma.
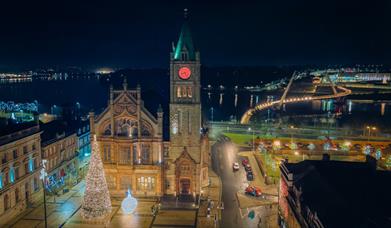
x: 383, y: 108
x: 235, y: 104
x: 216, y: 104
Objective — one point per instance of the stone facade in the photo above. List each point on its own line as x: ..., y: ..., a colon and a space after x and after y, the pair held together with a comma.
x: 187, y: 163
x: 20, y: 153
x: 131, y: 143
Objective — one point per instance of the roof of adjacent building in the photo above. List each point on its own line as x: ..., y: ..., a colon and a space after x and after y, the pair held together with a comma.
x: 55, y: 130
x: 9, y: 128
x: 344, y: 194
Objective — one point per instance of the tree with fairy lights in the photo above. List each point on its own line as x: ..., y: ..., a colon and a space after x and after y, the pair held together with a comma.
x: 96, y: 203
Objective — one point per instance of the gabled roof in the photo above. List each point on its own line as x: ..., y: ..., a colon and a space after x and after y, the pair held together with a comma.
x: 185, y: 155
x: 185, y: 43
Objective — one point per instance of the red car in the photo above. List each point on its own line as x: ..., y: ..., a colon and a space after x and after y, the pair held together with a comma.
x: 244, y: 162
x: 253, y: 191
x: 248, y: 168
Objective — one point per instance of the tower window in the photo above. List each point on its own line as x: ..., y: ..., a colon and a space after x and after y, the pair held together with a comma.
x: 184, y: 56
x: 189, y: 92
x: 178, y: 92
x: 184, y: 94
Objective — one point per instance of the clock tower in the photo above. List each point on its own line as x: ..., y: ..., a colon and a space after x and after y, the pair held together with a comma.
x: 185, y: 156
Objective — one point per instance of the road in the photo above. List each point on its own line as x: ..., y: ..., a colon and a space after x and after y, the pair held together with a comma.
x: 223, y: 155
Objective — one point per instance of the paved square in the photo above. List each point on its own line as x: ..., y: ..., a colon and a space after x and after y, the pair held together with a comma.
x: 175, y: 218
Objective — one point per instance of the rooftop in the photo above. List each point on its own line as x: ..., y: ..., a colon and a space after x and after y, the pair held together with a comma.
x: 344, y: 194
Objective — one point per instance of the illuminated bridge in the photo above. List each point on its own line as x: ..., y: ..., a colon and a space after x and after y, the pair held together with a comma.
x: 338, y: 91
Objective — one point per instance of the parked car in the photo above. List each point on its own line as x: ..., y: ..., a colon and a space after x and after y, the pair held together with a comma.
x: 235, y: 166
x: 244, y: 162
x: 253, y: 191
x: 248, y: 168
x: 250, y: 176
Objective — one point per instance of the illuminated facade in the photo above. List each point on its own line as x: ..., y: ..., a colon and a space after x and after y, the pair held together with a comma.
x: 187, y: 161
x: 59, y: 149
x: 20, y: 153
x: 131, y: 144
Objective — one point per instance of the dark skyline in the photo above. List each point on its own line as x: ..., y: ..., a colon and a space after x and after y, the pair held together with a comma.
x: 139, y: 35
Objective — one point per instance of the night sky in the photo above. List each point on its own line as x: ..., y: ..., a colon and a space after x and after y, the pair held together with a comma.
x: 138, y: 34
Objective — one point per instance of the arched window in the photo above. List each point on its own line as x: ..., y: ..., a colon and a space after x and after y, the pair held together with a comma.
x: 189, y: 92
x: 184, y: 92
x: 178, y: 92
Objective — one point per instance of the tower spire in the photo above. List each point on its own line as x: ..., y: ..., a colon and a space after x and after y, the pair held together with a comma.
x: 125, y: 83
x: 185, y: 42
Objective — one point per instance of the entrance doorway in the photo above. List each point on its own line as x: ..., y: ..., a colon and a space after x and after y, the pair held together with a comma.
x: 185, y: 186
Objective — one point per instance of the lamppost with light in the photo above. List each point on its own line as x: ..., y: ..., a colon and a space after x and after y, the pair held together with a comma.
x: 43, y: 176
x: 291, y: 127
x: 373, y: 128
x: 250, y: 129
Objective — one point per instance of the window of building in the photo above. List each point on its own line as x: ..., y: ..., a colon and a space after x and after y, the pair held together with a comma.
x: 106, y: 153
x: 35, y: 163
x: 185, y: 169
x: 25, y: 150
x: 189, y: 92
x: 135, y: 154
x: 125, y: 155
x: 165, y: 151
x: 17, y: 195
x: 36, y: 184
x: 12, y: 174
x: 145, y: 184
x: 178, y: 92
x: 26, y: 167
x: 184, y: 92
x: 145, y: 154
x: 33, y: 146
x: 6, y: 202
x: 15, y: 154
x: 1, y: 180
x: 184, y: 56
x: 17, y: 174
x: 6, y: 179
x: 4, y: 158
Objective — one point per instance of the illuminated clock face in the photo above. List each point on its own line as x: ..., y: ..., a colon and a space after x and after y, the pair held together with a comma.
x: 184, y: 73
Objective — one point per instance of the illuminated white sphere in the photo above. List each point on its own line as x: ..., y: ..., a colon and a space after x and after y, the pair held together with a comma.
x: 129, y: 204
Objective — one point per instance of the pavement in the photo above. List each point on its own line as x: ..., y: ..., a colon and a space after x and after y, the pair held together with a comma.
x: 59, y: 209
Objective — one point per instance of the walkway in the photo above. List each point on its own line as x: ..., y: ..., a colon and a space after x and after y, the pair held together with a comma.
x: 59, y: 209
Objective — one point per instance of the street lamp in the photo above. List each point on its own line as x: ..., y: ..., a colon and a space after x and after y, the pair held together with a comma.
x: 43, y: 176
x: 373, y: 128
x: 291, y: 127
x: 249, y: 129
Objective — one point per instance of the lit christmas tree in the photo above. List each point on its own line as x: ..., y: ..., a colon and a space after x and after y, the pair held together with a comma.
x: 96, y: 203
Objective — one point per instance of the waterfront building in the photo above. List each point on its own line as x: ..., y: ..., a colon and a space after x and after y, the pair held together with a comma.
x: 20, y: 153
x: 325, y: 193
x: 59, y: 149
